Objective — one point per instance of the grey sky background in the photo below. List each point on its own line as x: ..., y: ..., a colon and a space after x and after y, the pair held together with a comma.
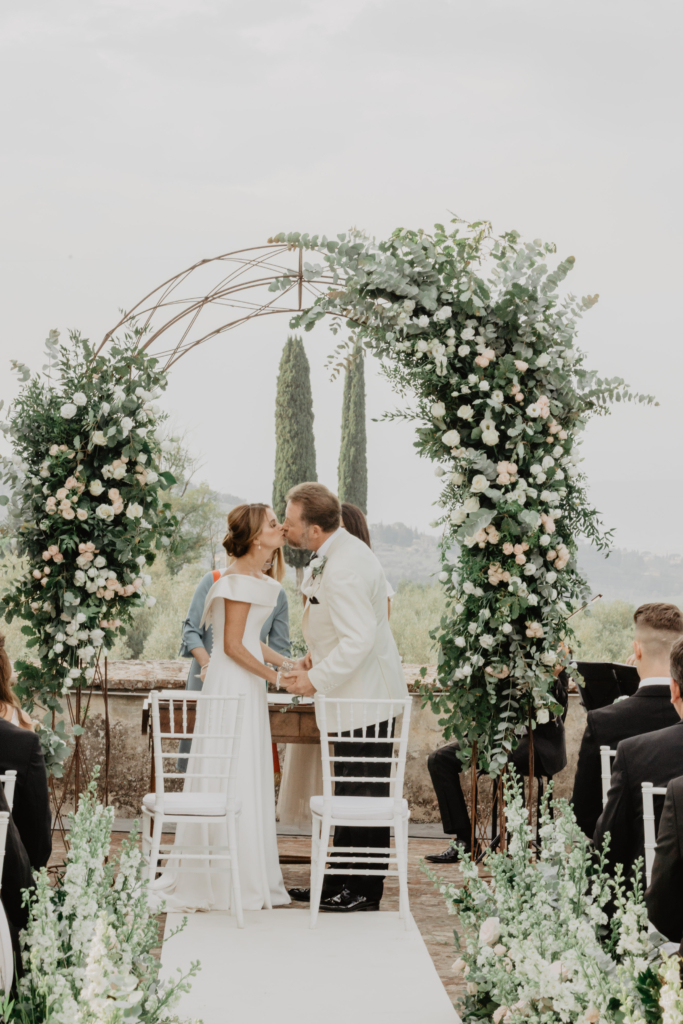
x: 142, y: 135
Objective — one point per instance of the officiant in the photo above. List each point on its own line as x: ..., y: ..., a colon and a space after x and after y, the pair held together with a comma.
x: 197, y: 640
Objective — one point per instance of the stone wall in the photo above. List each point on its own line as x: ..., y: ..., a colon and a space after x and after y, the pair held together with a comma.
x: 130, y: 761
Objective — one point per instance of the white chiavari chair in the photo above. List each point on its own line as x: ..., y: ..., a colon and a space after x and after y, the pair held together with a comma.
x: 360, y: 811
x: 174, y: 717
x: 9, y: 780
x: 606, y: 756
x: 6, y: 956
x: 649, y: 793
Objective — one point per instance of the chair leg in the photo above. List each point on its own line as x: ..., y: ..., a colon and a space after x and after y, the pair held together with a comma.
x: 322, y: 839
x: 157, y: 829
x: 401, y: 843
x: 235, y: 871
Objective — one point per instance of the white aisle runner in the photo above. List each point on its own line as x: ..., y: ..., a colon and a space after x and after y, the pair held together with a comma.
x: 355, y: 969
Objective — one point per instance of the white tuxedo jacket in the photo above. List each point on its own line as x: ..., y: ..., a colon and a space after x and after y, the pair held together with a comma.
x: 346, y: 626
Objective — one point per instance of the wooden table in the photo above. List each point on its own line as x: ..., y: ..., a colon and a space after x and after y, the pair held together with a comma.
x: 298, y: 725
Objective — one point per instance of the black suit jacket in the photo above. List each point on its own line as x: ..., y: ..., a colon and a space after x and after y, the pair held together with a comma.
x: 550, y: 748
x: 16, y: 876
x: 655, y: 757
x: 650, y: 708
x: 20, y: 750
x: 664, y: 898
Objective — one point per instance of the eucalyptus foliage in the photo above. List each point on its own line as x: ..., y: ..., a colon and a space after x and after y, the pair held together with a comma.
x: 474, y: 328
x: 86, y: 512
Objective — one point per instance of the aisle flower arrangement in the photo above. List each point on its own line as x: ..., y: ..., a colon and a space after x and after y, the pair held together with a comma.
x: 87, y: 950
x: 86, y: 511
x: 480, y: 345
x: 538, y: 944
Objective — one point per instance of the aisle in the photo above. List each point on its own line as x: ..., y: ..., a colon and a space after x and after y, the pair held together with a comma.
x: 364, y: 968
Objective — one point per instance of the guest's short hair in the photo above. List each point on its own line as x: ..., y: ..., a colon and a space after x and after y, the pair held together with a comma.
x: 676, y: 664
x: 658, y: 626
x: 319, y: 506
x: 355, y: 522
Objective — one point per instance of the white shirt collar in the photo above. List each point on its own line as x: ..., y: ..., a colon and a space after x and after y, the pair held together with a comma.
x: 655, y: 681
x: 325, y: 546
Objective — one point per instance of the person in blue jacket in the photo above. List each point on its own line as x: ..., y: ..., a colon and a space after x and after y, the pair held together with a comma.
x: 198, y: 640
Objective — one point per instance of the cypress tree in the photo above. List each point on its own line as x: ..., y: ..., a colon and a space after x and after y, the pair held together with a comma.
x: 353, y: 459
x: 294, y: 440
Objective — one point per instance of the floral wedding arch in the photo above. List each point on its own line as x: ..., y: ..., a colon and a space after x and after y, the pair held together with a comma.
x: 477, y: 342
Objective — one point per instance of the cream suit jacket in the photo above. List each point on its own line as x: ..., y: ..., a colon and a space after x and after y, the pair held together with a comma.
x: 347, y: 629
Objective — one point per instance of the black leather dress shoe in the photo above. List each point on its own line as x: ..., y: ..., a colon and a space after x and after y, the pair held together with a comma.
x: 300, y: 895
x: 348, y: 903
x: 449, y: 856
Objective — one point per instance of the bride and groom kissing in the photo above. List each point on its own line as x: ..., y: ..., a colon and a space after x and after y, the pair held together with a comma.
x: 352, y: 654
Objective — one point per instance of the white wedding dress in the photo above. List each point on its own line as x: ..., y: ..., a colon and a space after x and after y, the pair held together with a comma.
x: 259, y: 866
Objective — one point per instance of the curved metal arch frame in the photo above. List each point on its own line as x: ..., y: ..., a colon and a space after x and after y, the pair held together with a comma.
x: 164, y: 308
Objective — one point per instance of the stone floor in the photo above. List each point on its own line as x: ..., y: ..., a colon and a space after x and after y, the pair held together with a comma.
x: 426, y: 903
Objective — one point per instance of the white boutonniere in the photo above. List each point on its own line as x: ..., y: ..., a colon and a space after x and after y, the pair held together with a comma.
x: 318, y: 568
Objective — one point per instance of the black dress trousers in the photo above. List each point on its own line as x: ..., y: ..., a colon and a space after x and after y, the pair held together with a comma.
x: 370, y: 886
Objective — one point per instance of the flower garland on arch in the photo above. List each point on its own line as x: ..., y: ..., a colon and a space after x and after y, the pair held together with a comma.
x: 86, y: 513
x: 474, y: 327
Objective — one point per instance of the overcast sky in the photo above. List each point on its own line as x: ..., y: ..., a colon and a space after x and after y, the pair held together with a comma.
x: 142, y: 135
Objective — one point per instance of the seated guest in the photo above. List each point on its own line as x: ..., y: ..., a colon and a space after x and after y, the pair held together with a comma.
x: 197, y: 640
x: 550, y: 757
x: 16, y: 876
x: 649, y: 709
x: 655, y: 757
x: 664, y: 898
x: 20, y: 750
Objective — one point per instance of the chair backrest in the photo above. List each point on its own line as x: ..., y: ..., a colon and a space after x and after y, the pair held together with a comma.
x: 649, y: 792
x: 4, y: 823
x: 606, y: 756
x: 175, y: 714
x: 9, y: 781
x: 363, y: 719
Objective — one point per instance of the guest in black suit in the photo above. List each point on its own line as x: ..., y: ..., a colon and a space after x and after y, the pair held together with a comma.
x: 664, y: 898
x: 655, y: 757
x: 20, y: 750
x: 16, y: 876
x: 550, y: 757
x: 658, y: 626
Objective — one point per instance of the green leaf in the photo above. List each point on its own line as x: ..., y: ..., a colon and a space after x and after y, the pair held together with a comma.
x: 4, y: 499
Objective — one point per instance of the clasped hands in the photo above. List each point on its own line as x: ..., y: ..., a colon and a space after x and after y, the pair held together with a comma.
x: 295, y: 680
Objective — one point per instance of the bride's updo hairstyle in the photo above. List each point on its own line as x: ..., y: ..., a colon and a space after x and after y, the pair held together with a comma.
x: 245, y: 523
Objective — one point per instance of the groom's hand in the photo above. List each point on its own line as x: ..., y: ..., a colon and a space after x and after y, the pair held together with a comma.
x: 299, y: 683
x: 304, y: 663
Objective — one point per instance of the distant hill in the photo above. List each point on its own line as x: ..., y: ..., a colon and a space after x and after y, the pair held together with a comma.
x: 405, y: 554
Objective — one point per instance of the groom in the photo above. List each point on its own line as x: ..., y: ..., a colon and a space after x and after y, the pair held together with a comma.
x: 352, y: 653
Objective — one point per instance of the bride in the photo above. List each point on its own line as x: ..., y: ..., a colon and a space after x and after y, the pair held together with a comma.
x: 237, y: 605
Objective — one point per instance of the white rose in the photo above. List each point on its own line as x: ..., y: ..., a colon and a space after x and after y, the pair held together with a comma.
x: 544, y: 540
x: 558, y: 451
x: 547, y: 462
x: 134, y: 510
x: 439, y: 471
x: 479, y: 483
x: 468, y: 334
x: 438, y: 410
x: 471, y: 505
x: 559, y: 475
x: 542, y: 716
x: 79, y: 577
x: 68, y: 410
x: 451, y: 438
x: 459, y: 966
x: 455, y: 478
x: 541, y: 478
x: 422, y: 345
x: 105, y: 512
x: 464, y: 350
x: 445, y: 313
x: 96, y: 487
x: 100, y: 562
x: 484, y: 385
x: 458, y: 516
x: 489, y: 933
x: 146, y: 580
x: 550, y: 577
x: 87, y: 652
x: 127, y: 425
x: 97, y: 636
x: 466, y: 412
x: 142, y: 458
x: 119, y: 473
x: 443, y: 577
x: 506, y: 627
x: 490, y: 437
x: 533, y: 410
x: 72, y: 641
x: 460, y: 641
x: 98, y: 437
x: 498, y: 397
x: 59, y: 647
x: 141, y: 431
x: 79, y: 398
x: 529, y: 569
x: 543, y: 359
x: 150, y: 602
x: 104, y: 409
x: 422, y: 321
